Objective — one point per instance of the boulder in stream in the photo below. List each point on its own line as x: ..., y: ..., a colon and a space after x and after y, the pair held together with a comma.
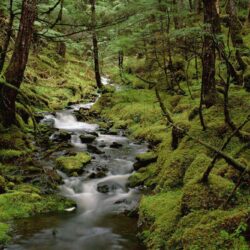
x: 116, y: 145
x: 61, y: 136
x: 95, y: 150
x: 108, y: 186
x: 73, y: 164
x: 87, y: 138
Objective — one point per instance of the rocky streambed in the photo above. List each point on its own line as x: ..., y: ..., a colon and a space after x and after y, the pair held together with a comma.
x: 95, y: 167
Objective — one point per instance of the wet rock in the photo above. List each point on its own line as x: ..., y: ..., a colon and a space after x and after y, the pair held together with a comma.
x: 39, y: 117
x: 96, y: 175
x: 93, y: 149
x: 102, y: 145
x: 144, y: 159
x: 108, y: 186
x: 113, y: 132
x: 93, y: 133
x: 116, y: 145
x: 87, y: 138
x: 49, y: 122
x: 61, y: 136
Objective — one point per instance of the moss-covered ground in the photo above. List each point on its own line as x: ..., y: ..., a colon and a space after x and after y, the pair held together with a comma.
x: 50, y: 83
x: 180, y: 212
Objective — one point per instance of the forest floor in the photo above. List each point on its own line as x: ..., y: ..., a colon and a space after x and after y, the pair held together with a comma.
x: 178, y: 211
x: 51, y: 83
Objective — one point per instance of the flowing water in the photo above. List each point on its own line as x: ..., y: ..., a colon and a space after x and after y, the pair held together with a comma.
x: 99, y: 221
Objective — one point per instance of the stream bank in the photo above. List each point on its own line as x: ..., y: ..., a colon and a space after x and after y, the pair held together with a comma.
x: 100, y: 191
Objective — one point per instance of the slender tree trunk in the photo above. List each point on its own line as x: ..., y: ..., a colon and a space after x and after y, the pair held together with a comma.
x: 5, y: 47
x: 211, y: 20
x: 95, y: 44
x: 235, y: 27
x: 198, y: 6
x: 248, y: 18
x: 15, y: 70
x: 191, y: 7
x: 177, y: 6
x: 234, y: 23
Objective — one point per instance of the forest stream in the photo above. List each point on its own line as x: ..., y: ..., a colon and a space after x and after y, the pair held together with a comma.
x: 99, y: 219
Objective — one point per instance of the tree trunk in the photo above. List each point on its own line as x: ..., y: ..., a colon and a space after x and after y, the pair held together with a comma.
x: 177, y: 6
x: 248, y: 18
x: 211, y: 20
x: 95, y: 44
x: 5, y: 47
x: 198, y: 6
x: 234, y: 23
x: 235, y: 31
x: 15, y: 70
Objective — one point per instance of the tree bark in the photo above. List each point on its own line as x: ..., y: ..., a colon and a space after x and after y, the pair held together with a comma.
x: 15, y: 70
x: 198, y: 6
x: 235, y: 28
x: 95, y: 44
x: 212, y: 22
x: 5, y: 47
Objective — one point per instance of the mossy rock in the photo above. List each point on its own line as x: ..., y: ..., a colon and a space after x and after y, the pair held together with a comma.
x: 29, y: 203
x: 197, y: 167
x: 27, y: 188
x: 158, y: 217
x: 197, y: 196
x: 174, y: 167
x: 225, y: 228
x: 145, y: 159
x: 4, y: 233
x: 144, y: 177
x: 71, y: 164
x: 9, y: 155
x: 13, y: 138
x: 2, y: 184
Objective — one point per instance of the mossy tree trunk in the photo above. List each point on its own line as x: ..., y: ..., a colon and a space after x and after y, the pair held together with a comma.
x: 211, y: 20
x: 95, y: 44
x: 8, y: 33
x: 15, y: 70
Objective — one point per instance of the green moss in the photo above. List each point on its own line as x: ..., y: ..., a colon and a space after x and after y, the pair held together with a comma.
x: 4, y: 233
x: 28, y: 204
x: 225, y: 228
x: 174, y: 168
x: 146, y: 157
x: 20, y: 122
x: 13, y: 138
x: 70, y: 164
x: 197, y: 167
x: 145, y: 176
x: 2, y: 184
x: 198, y: 196
x: 7, y: 155
x: 159, y: 215
x: 27, y: 188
